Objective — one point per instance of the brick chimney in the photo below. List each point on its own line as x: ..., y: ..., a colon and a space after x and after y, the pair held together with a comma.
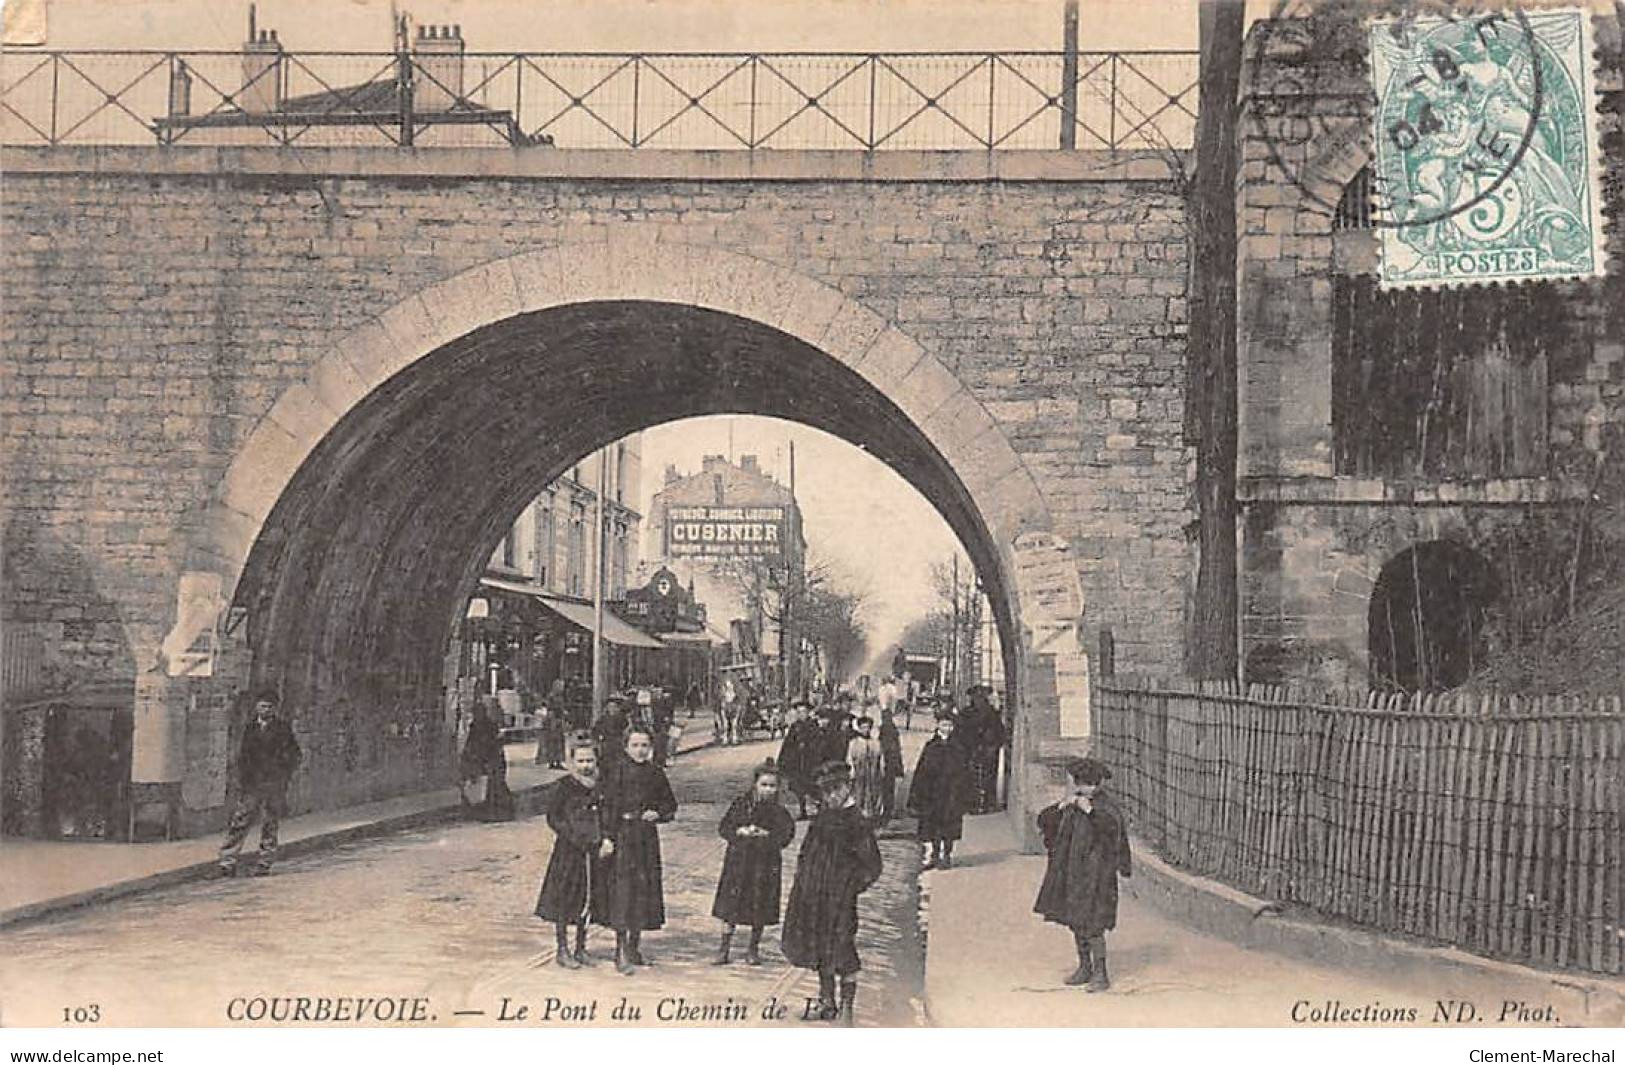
x: 262, y: 71
x: 748, y: 464
x: 714, y: 463
x: 437, y: 83
x: 672, y: 476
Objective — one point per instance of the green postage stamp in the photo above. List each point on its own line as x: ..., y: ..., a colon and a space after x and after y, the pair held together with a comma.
x: 1486, y: 148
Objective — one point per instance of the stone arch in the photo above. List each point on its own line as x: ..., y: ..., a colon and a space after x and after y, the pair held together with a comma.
x: 1426, y: 616
x: 315, y: 510
x: 626, y: 266
x: 1326, y: 178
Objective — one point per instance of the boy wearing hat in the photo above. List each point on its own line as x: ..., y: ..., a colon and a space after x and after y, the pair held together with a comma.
x: 574, y: 814
x: 798, y: 753
x: 839, y: 861
x: 941, y: 793
x: 1087, y: 841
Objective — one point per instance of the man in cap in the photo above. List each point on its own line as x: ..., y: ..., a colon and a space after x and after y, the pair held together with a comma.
x: 265, y: 763
x: 1087, y: 840
x: 798, y: 754
x: 839, y: 861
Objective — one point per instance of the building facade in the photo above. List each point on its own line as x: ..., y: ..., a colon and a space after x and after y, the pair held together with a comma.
x: 527, y: 632
x: 733, y: 534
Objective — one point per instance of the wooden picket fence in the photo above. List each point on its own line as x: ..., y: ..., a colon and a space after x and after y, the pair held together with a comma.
x: 1492, y: 822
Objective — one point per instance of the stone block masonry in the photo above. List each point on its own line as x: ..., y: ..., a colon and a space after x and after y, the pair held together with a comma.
x: 158, y: 304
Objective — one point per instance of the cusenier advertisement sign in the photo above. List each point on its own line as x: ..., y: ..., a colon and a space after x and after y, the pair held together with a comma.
x: 725, y: 532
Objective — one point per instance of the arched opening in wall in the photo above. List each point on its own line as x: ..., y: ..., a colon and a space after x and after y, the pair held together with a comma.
x: 1426, y: 621
x: 358, y: 587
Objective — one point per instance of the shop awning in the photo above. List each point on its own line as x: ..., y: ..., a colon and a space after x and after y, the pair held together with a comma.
x: 616, y: 631
x: 688, y: 639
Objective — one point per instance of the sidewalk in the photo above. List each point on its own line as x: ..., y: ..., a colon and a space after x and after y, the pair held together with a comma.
x: 43, y: 877
x: 1004, y: 965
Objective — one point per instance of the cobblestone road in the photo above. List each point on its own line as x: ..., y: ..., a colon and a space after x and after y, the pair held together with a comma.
x: 444, y: 914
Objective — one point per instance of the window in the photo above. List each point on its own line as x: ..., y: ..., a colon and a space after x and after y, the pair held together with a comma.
x: 1442, y: 384
x: 578, y: 547
x: 510, y: 550
x: 546, y: 540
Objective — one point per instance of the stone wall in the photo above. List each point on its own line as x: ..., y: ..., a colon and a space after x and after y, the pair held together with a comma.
x: 1314, y: 542
x: 158, y: 303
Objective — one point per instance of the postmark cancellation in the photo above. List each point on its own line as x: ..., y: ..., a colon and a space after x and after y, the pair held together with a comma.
x: 1486, y: 151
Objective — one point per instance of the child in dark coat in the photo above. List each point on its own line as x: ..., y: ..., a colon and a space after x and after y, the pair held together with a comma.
x: 575, y: 816
x: 1087, y: 840
x: 941, y: 793
x: 637, y: 798
x: 757, y: 828
x: 839, y: 861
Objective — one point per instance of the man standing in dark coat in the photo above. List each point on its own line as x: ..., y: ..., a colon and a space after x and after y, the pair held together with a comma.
x: 1087, y: 840
x: 485, y: 756
x: 798, y: 754
x: 941, y: 793
x: 265, y: 763
x: 982, y: 735
x: 609, y: 733
x: 637, y: 797
x: 575, y: 815
x: 839, y: 861
x: 757, y: 828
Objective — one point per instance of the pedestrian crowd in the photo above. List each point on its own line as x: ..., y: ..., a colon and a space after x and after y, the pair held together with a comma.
x: 842, y: 761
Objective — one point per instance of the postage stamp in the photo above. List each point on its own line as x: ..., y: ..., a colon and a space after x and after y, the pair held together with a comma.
x: 1486, y: 148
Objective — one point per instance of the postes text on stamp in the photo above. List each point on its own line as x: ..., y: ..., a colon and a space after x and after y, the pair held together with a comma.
x: 1486, y: 148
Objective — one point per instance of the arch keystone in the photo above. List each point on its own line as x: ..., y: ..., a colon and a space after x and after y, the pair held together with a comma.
x: 581, y: 274
x: 653, y: 270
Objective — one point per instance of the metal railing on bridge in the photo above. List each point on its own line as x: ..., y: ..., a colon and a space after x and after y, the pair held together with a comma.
x: 991, y: 101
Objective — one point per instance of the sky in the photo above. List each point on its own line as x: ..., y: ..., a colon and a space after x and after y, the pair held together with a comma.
x: 879, y: 534
x: 629, y: 25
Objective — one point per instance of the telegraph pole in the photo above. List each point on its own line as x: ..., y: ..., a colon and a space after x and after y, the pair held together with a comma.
x: 1069, y: 77
x: 600, y: 687
x: 953, y: 630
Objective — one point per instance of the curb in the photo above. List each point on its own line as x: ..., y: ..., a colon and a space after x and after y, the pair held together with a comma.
x: 527, y: 803
x: 1221, y: 910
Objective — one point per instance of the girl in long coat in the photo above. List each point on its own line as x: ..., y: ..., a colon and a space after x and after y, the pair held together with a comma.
x: 575, y: 815
x: 941, y: 793
x: 1087, y: 840
x: 637, y: 797
x: 757, y: 829
x: 839, y: 861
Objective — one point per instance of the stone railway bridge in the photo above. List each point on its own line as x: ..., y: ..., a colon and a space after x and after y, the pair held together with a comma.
x: 312, y: 387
